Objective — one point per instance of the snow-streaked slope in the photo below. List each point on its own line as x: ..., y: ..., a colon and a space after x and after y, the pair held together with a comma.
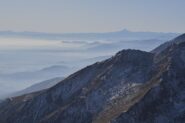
x: 165, y: 103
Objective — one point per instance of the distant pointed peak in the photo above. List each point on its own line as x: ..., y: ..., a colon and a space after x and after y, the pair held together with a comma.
x: 125, y: 30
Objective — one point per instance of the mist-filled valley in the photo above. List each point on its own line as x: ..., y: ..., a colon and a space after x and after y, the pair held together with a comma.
x: 29, y: 60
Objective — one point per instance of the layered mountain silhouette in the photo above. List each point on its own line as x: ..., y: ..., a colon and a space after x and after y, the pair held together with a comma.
x: 37, y: 87
x: 131, y: 87
x: 117, y: 35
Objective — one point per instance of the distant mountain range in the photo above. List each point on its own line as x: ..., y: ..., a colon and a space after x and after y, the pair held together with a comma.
x: 13, y: 82
x: 37, y: 87
x: 119, y: 35
x: 25, y: 79
x: 39, y: 75
x: 131, y: 87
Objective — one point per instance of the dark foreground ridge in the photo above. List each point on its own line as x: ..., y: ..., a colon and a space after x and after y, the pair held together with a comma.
x: 131, y: 87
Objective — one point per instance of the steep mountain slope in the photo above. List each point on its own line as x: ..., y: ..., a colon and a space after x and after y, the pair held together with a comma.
x: 131, y: 87
x: 162, y: 47
x: 166, y: 102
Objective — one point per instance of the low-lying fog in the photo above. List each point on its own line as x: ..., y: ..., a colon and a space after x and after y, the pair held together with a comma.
x: 25, y: 61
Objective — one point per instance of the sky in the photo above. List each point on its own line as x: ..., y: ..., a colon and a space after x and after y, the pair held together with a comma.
x: 62, y: 16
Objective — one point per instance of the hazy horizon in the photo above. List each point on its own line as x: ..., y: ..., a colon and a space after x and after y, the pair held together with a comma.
x: 108, y: 31
x: 67, y: 16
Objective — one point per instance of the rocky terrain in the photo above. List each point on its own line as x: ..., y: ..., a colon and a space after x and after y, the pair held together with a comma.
x: 131, y: 87
x: 165, y: 102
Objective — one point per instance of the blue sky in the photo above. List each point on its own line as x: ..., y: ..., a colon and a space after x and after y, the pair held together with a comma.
x: 92, y: 15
